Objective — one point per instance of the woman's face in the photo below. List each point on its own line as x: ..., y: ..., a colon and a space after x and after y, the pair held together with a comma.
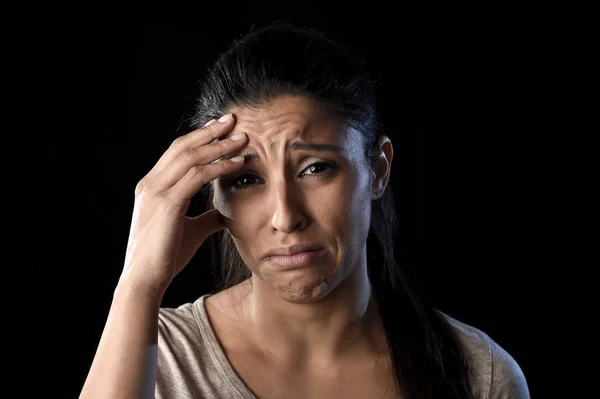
x: 287, y: 194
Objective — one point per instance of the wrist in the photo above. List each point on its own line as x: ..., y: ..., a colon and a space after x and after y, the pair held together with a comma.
x: 140, y: 291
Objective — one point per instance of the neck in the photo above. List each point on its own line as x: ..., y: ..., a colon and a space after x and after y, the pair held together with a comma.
x: 341, y: 325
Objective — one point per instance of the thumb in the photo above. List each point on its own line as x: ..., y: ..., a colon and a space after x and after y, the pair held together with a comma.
x: 204, y: 225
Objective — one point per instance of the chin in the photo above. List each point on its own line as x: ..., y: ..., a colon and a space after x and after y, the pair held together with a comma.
x: 298, y: 286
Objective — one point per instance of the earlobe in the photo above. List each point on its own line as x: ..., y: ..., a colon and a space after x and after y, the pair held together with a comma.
x: 375, y: 186
x: 381, y: 167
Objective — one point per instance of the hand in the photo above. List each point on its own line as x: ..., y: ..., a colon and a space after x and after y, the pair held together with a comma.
x: 162, y: 240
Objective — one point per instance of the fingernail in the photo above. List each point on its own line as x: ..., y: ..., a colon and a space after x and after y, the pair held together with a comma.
x: 225, y: 118
x: 237, y: 159
x: 209, y: 122
x: 237, y: 137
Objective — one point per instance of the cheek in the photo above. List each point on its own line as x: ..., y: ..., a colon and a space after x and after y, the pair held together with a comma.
x: 358, y: 206
x: 223, y: 205
x: 226, y: 202
x: 240, y: 214
x: 336, y: 207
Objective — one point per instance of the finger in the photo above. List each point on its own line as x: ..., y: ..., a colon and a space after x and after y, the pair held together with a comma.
x: 200, y: 175
x: 192, y: 158
x: 203, y: 226
x: 206, y: 134
x: 210, y: 132
x: 199, y: 137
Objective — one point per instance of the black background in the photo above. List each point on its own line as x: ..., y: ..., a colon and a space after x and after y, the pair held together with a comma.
x: 460, y: 101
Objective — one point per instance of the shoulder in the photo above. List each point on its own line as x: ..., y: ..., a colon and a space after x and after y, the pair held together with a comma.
x: 185, y: 361
x: 191, y: 360
x: 179, y: 331
x: 180, y: 320
x: 494, y: 372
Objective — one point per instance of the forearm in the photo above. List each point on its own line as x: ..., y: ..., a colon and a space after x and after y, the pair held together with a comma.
x: 125, y: 362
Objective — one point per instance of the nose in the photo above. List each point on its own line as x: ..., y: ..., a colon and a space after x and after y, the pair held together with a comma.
x: 288, y: 214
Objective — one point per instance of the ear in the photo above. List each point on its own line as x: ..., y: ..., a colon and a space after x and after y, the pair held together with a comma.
x: 381, y: 167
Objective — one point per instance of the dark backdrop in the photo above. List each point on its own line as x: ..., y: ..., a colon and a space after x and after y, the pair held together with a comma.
x: 457, y: 102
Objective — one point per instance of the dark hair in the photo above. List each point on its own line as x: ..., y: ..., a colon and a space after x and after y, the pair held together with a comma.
x: 284, y: 59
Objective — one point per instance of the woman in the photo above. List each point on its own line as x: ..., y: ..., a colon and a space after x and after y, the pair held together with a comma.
x: 289, y: 152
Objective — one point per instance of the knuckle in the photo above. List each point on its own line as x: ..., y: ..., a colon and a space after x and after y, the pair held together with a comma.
x: 139, y: 188
x: 198, y: 173
x: 185, y: 155
x: 178, y: 142
x: 223, y: 166
x: 197, y: 170
x: 144, y: 194
x: 223, y: 147
x: 143, y: 188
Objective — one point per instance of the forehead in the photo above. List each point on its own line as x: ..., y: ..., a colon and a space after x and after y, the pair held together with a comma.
x: 288, y: 118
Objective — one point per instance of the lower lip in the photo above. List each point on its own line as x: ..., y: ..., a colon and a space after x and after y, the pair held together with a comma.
x: 296, y: 261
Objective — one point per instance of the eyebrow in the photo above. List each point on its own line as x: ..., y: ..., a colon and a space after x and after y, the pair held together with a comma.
x: 249, y: 157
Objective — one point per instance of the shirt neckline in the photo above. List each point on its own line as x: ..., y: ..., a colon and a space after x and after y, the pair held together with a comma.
x: 216, y: 351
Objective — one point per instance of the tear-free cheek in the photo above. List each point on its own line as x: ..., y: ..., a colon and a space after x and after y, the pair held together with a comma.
x: 223, y: 205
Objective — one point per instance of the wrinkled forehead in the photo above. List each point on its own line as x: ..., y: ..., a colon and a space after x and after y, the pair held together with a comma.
x: 292, y: 119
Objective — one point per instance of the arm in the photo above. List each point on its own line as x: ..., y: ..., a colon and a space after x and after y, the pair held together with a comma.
x: 162, y: 241
x: 125, y: 362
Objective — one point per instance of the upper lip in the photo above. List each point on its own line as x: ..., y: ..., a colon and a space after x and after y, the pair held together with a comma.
x: 294, y: 249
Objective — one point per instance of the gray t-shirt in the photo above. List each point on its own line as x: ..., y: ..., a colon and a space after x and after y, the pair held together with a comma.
x: 192, y: 364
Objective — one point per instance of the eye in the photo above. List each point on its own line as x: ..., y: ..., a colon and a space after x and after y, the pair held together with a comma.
x: 245, y: 180
x: 317, y: 168
x: 313, y: 170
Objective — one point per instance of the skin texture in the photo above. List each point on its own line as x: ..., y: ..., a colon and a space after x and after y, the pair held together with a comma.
x: 314, y: 317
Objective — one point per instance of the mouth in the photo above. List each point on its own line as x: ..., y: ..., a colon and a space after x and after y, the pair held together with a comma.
x: 295, y: 261
x: 293, y: 250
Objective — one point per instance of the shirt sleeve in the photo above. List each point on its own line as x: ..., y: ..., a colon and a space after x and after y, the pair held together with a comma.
x: 508, y: 380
